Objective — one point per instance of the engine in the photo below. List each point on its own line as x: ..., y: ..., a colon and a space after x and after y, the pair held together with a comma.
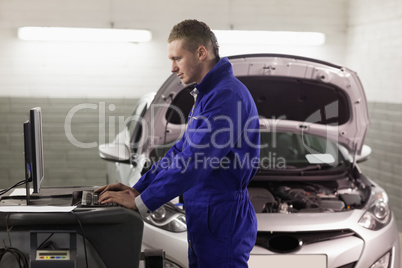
x: 300, y: 197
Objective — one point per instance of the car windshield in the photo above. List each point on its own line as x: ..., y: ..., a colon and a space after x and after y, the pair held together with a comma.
x: 297, y: 152
x: 287, y: 152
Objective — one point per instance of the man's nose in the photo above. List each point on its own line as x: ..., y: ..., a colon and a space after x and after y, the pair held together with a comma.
x: 174, y: 68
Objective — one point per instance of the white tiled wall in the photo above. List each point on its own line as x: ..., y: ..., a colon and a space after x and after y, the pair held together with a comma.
x: 43, y: 69
x: 374, y: 47
x: 70, y: 148
x: 365, y: 35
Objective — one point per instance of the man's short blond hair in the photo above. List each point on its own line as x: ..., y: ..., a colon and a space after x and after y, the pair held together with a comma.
x: 194, y: 34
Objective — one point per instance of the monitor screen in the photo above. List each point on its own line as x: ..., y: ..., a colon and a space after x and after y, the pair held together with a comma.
x: 33, y: 150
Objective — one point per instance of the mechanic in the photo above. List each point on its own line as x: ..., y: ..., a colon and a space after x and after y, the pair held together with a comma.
x: 213, y: 162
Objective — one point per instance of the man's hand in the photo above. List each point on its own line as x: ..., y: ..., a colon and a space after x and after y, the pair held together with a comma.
x: 126, y: 198
x: 113, y: 187
x: 118, y: 193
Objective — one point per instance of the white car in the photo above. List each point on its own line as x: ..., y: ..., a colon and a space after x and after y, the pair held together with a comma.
x: 314, y: 206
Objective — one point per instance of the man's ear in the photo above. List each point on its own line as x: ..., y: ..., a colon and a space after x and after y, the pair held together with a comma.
x: 202, y: 53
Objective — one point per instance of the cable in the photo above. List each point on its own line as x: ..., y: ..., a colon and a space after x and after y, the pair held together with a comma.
x: 18, y: 254
x: 15, y: 185
x: 83, y: 236
x: 8, y: 230
x: 44, y: 243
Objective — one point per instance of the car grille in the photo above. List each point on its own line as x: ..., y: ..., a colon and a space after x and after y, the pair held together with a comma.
x: 286, y: 242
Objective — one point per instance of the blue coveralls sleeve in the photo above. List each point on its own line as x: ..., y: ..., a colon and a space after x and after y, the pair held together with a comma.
x: 149, y: 176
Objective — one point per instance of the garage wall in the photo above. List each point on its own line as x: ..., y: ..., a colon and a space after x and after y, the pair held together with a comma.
x: 374, y: 45
x: 129, y: 70
x: 72, y: 130
x: 374, y: 42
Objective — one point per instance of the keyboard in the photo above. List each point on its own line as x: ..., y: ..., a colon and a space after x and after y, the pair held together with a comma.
x: 89, y: 199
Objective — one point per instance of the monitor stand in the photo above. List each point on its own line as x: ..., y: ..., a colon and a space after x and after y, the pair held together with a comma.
x: 27, y: 182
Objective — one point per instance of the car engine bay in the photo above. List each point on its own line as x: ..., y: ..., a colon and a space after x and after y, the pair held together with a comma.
x: 308, y: 197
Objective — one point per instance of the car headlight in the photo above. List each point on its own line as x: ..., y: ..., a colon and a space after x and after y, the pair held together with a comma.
x: 378, y: 215
x: 168, y: 217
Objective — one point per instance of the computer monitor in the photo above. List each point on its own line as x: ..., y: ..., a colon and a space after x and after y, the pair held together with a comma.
x: 33, y: 151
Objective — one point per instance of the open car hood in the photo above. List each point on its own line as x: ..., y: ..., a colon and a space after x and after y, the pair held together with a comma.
x: 294, y: 93
x: 307, y: 95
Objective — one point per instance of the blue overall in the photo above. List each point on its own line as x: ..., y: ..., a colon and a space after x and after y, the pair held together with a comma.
x: 211, y: 165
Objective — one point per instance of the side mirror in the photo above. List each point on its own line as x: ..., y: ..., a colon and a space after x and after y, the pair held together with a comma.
x: 115, y: 152
x: 363, y: 156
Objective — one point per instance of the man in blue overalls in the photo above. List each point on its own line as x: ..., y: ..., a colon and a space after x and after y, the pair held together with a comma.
x: 214, y: 161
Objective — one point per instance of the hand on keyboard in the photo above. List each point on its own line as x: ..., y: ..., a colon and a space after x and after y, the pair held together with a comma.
x: 89, y: 198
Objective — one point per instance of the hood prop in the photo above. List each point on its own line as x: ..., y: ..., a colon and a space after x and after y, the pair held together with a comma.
x: 356, y: 172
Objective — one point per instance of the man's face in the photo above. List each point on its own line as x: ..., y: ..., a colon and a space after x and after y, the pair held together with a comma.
x: 185, y: 64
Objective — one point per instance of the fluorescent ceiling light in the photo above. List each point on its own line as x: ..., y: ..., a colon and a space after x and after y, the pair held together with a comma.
x: 269, y: 37
x: 83, y: 34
